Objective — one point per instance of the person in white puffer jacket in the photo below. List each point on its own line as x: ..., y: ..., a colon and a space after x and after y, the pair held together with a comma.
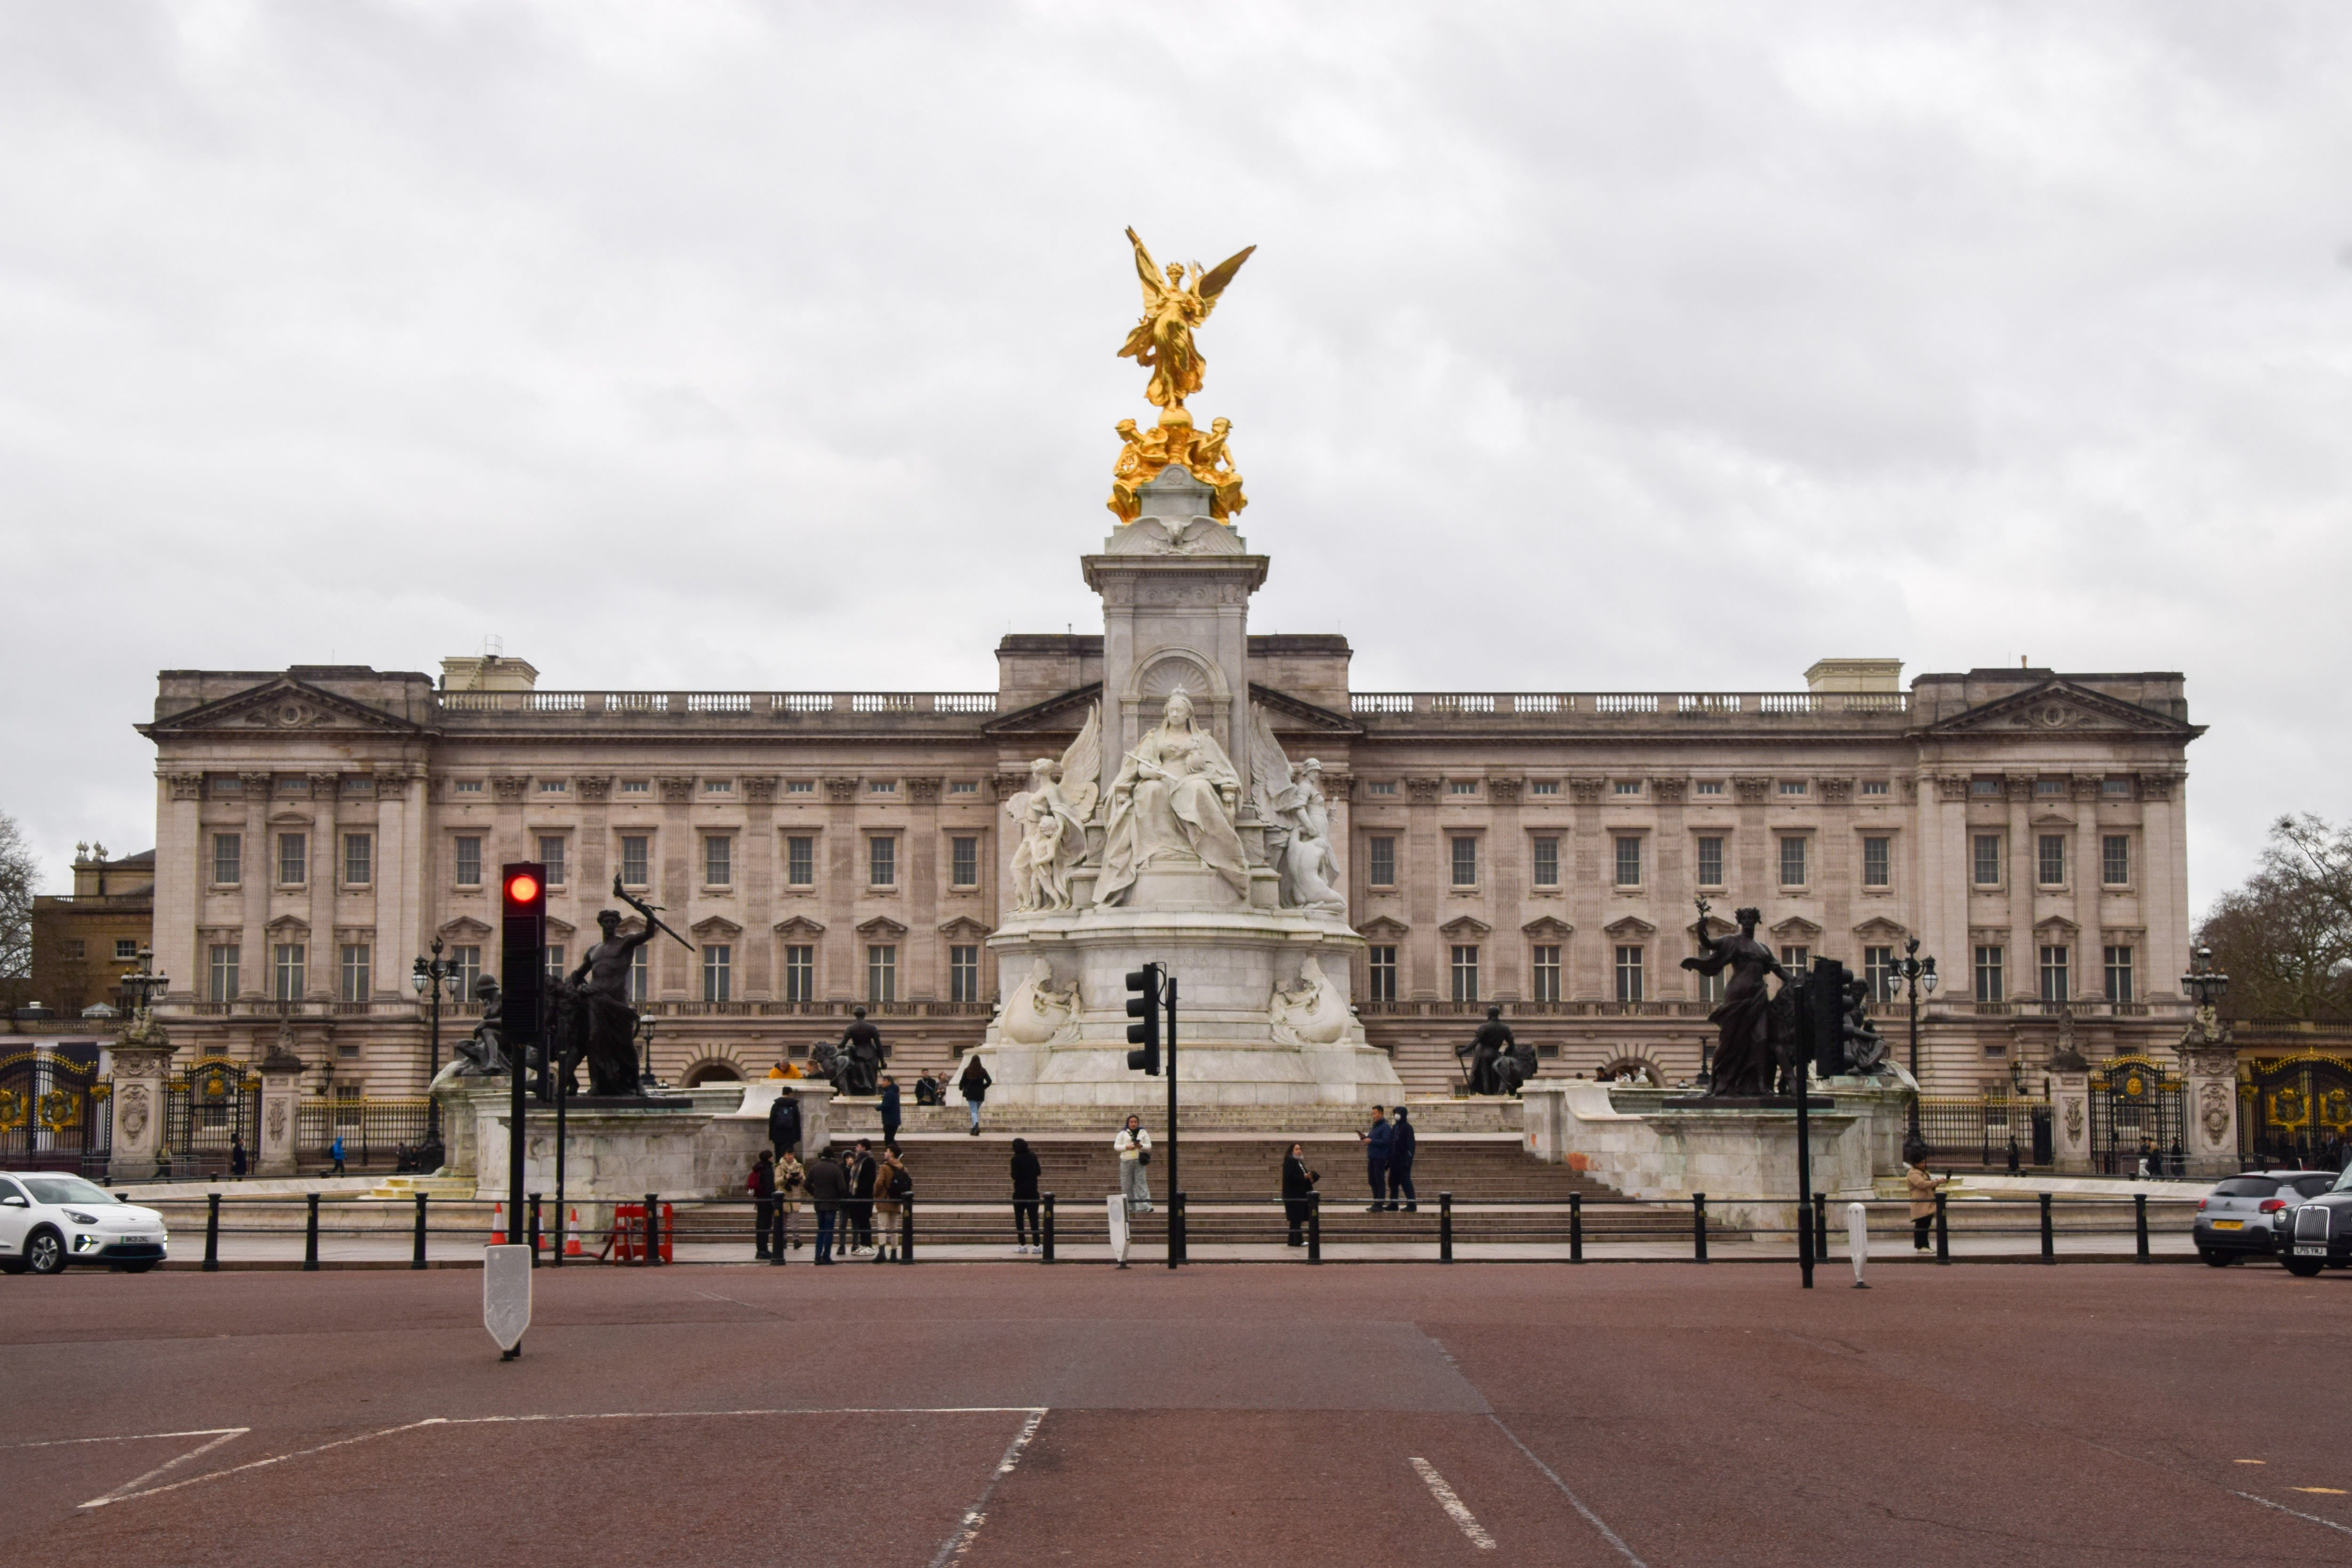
x: 1134, y: 1146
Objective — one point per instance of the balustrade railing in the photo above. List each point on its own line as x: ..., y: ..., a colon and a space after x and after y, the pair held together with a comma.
x: 1618, y: 704
x: 718, y: 703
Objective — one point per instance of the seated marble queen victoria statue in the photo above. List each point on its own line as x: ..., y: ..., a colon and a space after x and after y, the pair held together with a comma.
x: 1174, y: 798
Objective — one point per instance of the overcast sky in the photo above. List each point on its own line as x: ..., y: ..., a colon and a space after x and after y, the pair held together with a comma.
x: 1635, y: 346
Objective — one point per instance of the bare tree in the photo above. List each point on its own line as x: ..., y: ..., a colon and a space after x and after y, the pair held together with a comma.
x: 18, y: 872
x: 2284, y: 938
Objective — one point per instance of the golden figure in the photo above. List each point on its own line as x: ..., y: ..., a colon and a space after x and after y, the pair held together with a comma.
x: 1172, y: 310
x: 1142, y: 454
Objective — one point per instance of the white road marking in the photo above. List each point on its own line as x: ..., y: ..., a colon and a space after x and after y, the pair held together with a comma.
x: 1590, y: 1518
x: 1456, y: 1509
x: 2340, y: 1530
x: 967, y: 1530
x: 125, y: 1493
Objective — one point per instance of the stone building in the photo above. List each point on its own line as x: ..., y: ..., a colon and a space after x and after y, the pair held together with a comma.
x: 319, y: 827
x: 85, y: 942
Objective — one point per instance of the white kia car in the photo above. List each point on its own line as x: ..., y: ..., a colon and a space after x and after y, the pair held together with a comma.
x: 49, y: 1220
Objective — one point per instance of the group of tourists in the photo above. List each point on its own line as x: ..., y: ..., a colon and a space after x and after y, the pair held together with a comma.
x: 1390, y: 1144
x: 859, y: 1195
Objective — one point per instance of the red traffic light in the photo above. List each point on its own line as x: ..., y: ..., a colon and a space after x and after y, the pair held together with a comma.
x: 521, y: 888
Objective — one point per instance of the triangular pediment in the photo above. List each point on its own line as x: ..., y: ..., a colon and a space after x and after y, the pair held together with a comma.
x: 2060, y: 705
x: 1630, y: 925
x: 1062, y: 715
x: 1878, y: 929
x: 1382, y: 927
x: 1716, y: 927
x: 1549, y: 926
x: 283, y: 924
x: 463, y: 929
x: 2053, y: 819
x: 1292, y: 714
x: 558, y: 927
x: 963, y: 925
x: 715, y: 926
x: 284, y: 704
x: 881, y: 925
x: 799, y: 925
x: 1463, y: 925
x: 2056, y: 925
x: 1797, y: 928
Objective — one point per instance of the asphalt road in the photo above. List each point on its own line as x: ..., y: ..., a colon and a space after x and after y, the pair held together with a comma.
x: 986, y: 1415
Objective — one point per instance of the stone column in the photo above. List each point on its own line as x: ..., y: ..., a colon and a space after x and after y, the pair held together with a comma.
x: 675, y: 877
x: 755, y: 873
x: 2209, y: 1062
x: 2023, y: 879
x: 281, y: 1091
x: 326, y: 869
x: 143, y: 1061
x: 257, y: 873
x: 920, y: 971
x: 1673, y: 882
x: 2070, y: 1113
x: 1589, y: 891
x: 181, y: 869
x: 1425, y: 879
x: 841, y: 967
x: 1506, y: 872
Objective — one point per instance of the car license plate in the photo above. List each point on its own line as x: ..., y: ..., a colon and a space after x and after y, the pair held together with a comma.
x: 2317, y: 1251
x: 2229, y: 1225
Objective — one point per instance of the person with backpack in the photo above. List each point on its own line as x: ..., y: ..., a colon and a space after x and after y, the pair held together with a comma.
x: 860, y: 1207
x: 892, y: 1187
x: 828, y: 1188
x: 1133, y: 1146
x: 975, y: 1084
x: 1028, y: 1235
x: 890, y: 1117
x: 1401, y: 1143
x: 785, y: 1124
x: 761, y: 1185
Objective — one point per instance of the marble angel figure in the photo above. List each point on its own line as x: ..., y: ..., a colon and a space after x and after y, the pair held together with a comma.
x: 1310, y: 1011
x: 1298, y: 822
x: 1174, y: 797
x: 1052, y: 815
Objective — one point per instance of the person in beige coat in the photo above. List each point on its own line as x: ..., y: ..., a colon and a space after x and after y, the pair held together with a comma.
x: 790, y: 1175
x: 1923, y: 1188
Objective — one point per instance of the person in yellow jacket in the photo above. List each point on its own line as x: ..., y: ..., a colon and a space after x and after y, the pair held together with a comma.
x: 1923, y: 1188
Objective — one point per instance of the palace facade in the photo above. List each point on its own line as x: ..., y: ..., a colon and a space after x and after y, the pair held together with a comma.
x: 319, y: 827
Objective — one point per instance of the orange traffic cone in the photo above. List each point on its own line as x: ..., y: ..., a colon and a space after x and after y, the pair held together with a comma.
x: 497, y: 1225
x: 572, y: 1233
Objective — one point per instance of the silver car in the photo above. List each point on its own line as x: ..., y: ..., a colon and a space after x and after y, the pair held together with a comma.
x: 48, y: 1221
x: 2243, y: 1217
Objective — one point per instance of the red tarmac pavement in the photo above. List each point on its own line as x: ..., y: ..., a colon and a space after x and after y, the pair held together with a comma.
x: 985, y: 1414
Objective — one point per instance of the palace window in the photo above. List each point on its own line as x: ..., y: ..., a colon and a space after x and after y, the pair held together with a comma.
x: 1982, y: 788
x: 1707, y: 786
x: 1383, y: 958
x: 963, y: 861
x: 882, y: 786
x: 467, y: 787
x: 1985, y: 869
x: 964, y: 973
x: 719, y: 786
x: 1381, y: 786
x: 800, y: 786
x: 551, y: 858
x: 635, y: 871
x: 468, y: 859
x: 800, y: 973
x: 1629, y: 861
x: 228, y: 860
x: 1878, y: 973
x: 799, y: 862
x: 1989, y: 986
x: 1465, y: 861
x: 1710, y: 861
x: 126, y: 949
x: 1792, y: 861
x: 636, y: 786
x: 2115, y: 860
x: 2054, y: 984
x: 641, y: 975
x: 1462, y: 786
x: 1710, y: 988
x: 2048, y: 788
x: 466, y: 961
x: 882, y: 861
x: 718, y: 972
x: 2119, y: 974
x: 224, y: 956
x: 553, y: 953
x: 1465, y: 972
x: 717, y: 859
x: 293, y: 859
x: 882, y: 973
x: 1877, y: 862
x: 1793, y: 787
x: 2050, y: 861
x: 1629, y: 973
x: 1626, y: 787
x: 1796, y: 959
x: 1874, y: 787
x: 1544, y: 786
x: 963, y: 787
x: 286, y: 974
x: 553, y: 786
x: 1380, y: 857
x: 1546, y: 861
x: 1546, y: 971
x: 2115, y: 788
x: 356, y: 965
x: 359, y: 859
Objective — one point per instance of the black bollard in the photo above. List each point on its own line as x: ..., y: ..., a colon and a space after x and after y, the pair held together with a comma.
x: 417, y: 1254
x: 212, y: 1232
x: 907, y: 1231
x: 1943, y: 1231
x: 1698, y: 1227
x: 311, y: 1238
x: 1446, y: 1227
x: 2049, y: 1238
x: 2140, y: 1224
x: 1315, y: 1227
x: 1576, y: 1227
x: 1045, y: 1246
x: 652, y: 1230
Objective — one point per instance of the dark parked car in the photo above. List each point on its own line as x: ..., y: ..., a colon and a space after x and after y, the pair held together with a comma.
x: 2318, y: 1231
x: 2241, y: 1216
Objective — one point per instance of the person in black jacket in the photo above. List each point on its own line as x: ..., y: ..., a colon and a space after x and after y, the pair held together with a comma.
x: 1298, y: 1191
x: 974, y: 1085
x: 1027, y: 1235
x: 1400, y: 1151
x: 827, y: 1186
x: 785, y: 1124
x: 761, y: 1185
x: 860, y: 1207
x: 890, y: 1113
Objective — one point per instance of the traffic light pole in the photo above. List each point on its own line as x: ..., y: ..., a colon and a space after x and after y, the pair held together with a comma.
x: 1175, y: 1209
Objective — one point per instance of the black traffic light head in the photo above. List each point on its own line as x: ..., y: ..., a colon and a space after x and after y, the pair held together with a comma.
x: 1143, y: 1001
x: 523, y: 949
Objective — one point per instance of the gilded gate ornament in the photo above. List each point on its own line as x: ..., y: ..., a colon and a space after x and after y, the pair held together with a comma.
x: 1163, y: 342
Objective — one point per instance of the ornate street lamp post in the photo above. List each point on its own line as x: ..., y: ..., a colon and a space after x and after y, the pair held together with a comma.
x: 2205, y: 984
x: 434, y: 979
x: 1914, y: 971
x: 646, y: 1043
